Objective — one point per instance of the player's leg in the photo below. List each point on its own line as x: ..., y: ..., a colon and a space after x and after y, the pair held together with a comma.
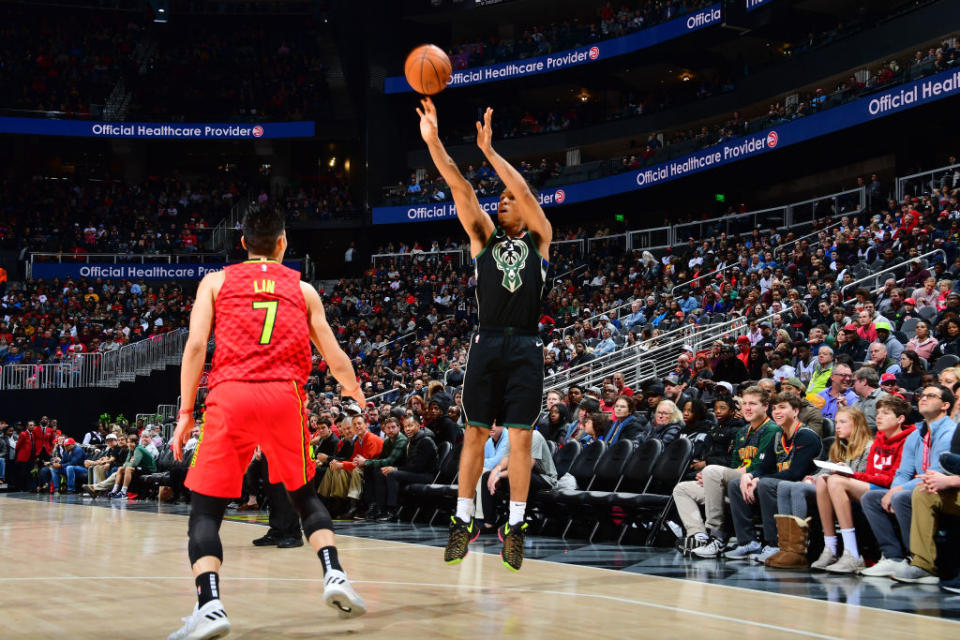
x: 523, y: 394
x: 286, y: 443
x: 215, y: 477
x: 481, y: 399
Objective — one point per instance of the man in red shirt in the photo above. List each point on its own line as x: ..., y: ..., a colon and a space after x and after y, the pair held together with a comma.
x: 265, y: 320
x: 344, y: 479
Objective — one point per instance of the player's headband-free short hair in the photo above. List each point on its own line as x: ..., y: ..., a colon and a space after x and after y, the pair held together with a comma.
x: 262, y: 225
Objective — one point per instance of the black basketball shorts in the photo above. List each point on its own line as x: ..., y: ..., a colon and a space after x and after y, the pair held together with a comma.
x: 503, y: 382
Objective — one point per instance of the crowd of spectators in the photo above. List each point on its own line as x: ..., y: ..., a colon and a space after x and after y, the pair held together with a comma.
x: 66, y: 63
x: 160, y: 215
x: 53, y: 321
x: 821, y: 370
x: 664, y: 145
x: 62, y: 61
x: 253, y: 70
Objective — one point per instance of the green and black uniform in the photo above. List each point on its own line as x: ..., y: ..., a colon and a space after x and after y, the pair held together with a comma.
x: 503, y: 382
x: 751, y: 447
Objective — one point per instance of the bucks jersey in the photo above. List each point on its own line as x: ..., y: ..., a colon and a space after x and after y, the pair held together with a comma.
x: 510, y: 274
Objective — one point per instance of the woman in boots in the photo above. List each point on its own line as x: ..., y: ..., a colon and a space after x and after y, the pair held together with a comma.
x: 883, y: 460
x: 796, y: 499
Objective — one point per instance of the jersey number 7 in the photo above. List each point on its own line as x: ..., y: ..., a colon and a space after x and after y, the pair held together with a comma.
x: 269, y: 319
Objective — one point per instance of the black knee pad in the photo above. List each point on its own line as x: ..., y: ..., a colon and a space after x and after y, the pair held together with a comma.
x: 313, y: 515
x: 206, y: 514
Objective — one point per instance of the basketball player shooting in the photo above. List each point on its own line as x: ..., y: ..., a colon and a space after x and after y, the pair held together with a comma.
x: 265, y: 320
x: 504, y: 376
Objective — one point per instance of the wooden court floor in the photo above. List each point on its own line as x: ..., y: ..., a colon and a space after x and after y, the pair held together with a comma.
x: 77, y: 571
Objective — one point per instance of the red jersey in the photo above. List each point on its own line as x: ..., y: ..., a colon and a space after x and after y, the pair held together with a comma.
x: 261, y: 329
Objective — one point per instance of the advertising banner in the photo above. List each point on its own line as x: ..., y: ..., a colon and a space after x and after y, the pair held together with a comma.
x: 137, y: 271
x: 158, y: 130
x: 894, y: 100
x: 756, y: 4
x: 574, y: 57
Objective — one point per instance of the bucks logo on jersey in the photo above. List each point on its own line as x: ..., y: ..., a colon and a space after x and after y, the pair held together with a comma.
x: 510, y: 256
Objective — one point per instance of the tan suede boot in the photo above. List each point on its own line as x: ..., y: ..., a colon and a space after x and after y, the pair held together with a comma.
x: 792, y: 536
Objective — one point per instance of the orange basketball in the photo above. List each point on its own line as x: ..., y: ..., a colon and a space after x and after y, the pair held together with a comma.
x: 427, y: 69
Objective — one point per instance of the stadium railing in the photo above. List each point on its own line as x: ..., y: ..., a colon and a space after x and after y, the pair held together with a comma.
x: 98, y: 369
x: 916, y: 183
x: 875, y: 276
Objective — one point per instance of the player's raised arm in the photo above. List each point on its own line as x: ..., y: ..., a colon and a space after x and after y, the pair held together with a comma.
x: 527, y: 204
x: 478, y: 225
x: 322, y: 336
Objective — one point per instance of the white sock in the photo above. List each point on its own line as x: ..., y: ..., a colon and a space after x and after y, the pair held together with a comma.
x: 465, y: 509
x: 701, y: 536
x: 517, y: 511
x: 123, y: 491
x: 116, y: 487
x: 830, y: 542
x: 850, y: 541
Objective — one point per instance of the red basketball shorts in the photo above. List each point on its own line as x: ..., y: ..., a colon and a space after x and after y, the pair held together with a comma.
x: 240, y: 416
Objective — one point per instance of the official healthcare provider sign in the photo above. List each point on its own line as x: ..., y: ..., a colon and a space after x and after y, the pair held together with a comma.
x: 756, y: 4
x: 118, y: 271
x: 901, y: 98
x: 157, y: 130
x: 575, y: 57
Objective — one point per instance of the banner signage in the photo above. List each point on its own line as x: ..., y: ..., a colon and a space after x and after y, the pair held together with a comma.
x: 128, y: 271
x: 158, y: 130
x: 897, y: 99
x: 603, y: 50
x: 756, y: 4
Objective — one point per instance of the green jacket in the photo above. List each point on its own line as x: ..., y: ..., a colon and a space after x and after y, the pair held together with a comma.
x: 750, y: 447
x: 391, y: 454
x: 142, y: 458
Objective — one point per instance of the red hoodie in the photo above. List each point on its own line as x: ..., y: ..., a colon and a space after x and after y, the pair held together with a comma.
x: 884, y: 458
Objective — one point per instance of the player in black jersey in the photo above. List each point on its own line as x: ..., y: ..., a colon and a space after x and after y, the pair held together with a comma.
x: 503, y: 382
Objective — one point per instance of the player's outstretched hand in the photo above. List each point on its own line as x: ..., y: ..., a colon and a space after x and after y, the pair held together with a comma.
x: 429, y: 129
x: 356, y: 394
x: 185, y: 423
x: 485, y: 131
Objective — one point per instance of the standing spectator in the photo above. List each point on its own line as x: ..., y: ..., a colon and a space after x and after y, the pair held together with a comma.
x: 8, y: 450
x: 23, y: 460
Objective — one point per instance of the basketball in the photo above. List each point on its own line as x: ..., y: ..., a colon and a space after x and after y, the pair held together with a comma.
x: 427, y: 69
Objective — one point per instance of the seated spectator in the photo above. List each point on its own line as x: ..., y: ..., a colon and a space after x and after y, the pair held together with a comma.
x: 911, y: 371
x: 558, y: 417
x: 888, y: 340
x: 624, y: 424
x: 810, y: 416
x: 67, y: 465
x: 838, y: 394
x: 439, y: 423
x: 495, y: 484
x: 730, y: 368
x: 795, y: 500
x: 822, y: 372
x: 419, y: 465
x: 921, y: 452
x: 575, y: 429
x: 139, y: 462
x: 937, y: 494
x: 793, y: 454
x: 344, y: 479
x: 866, y: 384
x: 751, y: 446
x: 711, y: 440
x: 666, y: 425
x: 923, y: 343
x: 595, y: 427
x: 391, y: 455
x: 881, y: 465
